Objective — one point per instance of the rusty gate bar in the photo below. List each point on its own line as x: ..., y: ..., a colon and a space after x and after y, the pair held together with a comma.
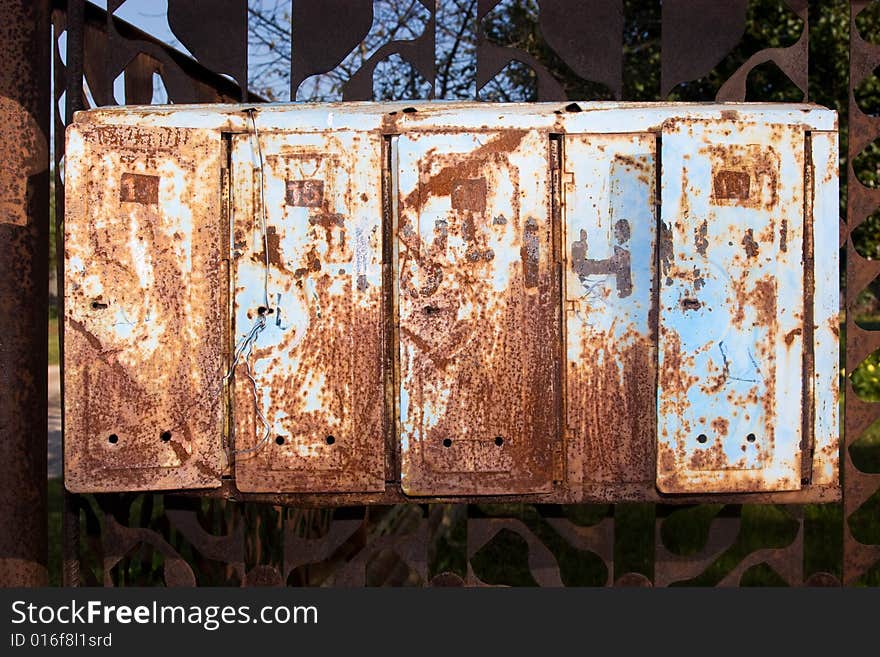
x: 24, y: 233
x: 69, y: 74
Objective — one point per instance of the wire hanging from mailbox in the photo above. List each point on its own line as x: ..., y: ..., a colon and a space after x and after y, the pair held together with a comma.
x: 246, y: 344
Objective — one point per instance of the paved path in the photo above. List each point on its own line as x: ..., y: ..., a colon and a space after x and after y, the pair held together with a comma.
x: 54, y: 421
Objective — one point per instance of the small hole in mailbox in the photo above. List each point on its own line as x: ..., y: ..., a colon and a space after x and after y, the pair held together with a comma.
x: 330, y: 440
x: 499, y: 441
x: 279, y: 440
x: 751, y: 437
x: 702, y: 438
x: 165, y: 436
x: 262, y: 310
x: 408, y: 110
x: 113, y: 439
x: 98, y: 305
x: 572, y: 107
x: 447, y: 442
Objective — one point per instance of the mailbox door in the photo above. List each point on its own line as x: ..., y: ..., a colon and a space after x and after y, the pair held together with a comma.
x: 479, y: 314
x: 731, y: 323
x: 610, y: 263
x: 308, y: 400
x: 144, y: 270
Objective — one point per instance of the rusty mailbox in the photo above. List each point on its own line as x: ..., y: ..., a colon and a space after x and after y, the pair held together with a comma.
x: 359, y: 303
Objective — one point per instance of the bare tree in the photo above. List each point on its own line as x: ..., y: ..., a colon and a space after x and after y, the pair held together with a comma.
x: 270, y: 45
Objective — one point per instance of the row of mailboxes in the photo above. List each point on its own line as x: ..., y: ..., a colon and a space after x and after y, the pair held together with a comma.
x: 596, y: 301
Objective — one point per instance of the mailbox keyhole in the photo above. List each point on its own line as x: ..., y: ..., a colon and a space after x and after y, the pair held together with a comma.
x: 113, y: 439
x: 447, y: 442
x: 98, y: 305
x: 165, y: 436
x: 702, y: 438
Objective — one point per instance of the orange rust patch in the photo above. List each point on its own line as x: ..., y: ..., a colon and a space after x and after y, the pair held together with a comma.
x: 139, y: 188
x: 613, y: 386
x: 122, y: 393
x: 729, y: 184
x: 304, y: 193
x: 467, y: 167
x: 790, y: 336
x: 719, y: 426
x: 469, y: 195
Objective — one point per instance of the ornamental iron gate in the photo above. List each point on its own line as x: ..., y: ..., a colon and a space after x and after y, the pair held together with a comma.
x: 558, y: 51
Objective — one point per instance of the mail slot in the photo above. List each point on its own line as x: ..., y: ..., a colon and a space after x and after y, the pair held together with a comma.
x: 380, y: 301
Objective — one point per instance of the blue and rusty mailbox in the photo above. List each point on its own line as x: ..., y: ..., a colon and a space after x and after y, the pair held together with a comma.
x: 374, y: 302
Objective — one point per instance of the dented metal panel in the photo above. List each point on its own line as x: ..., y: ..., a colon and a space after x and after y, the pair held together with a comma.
x: 143, y: 350
x: 479, y: 313
x: 308, y: 402
x: 731, y: 307
x: 610, y: 233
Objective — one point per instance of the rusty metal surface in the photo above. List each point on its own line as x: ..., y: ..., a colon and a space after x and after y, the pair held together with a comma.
x: 24, y: 231
x: 400, y: 281
x: 478, y: 304
x: 862, y: 201
x: 732, y: 324
x: 313, y: 418
x: 610, y: 309
x: 144, y: 298
x: 824, y: 209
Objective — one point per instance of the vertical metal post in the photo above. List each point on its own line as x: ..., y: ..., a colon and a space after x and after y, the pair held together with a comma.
x: 24, y: 289
x: 75, y: 21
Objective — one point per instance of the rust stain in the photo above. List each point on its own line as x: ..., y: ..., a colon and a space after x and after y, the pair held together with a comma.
x: 441, y: 183
x: 745, y: 175
x: 616, y: 390
x: 319, y: 378
x: 139, y: 188
x: 477, y: 361
x: 131, y: 381
x: 530, y: 253
x: 719, y: 426
x: 749, y: 243
x: 305, y: 193
x: 273, y: 240
x: 469, y: 195
x: 729, y: 184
